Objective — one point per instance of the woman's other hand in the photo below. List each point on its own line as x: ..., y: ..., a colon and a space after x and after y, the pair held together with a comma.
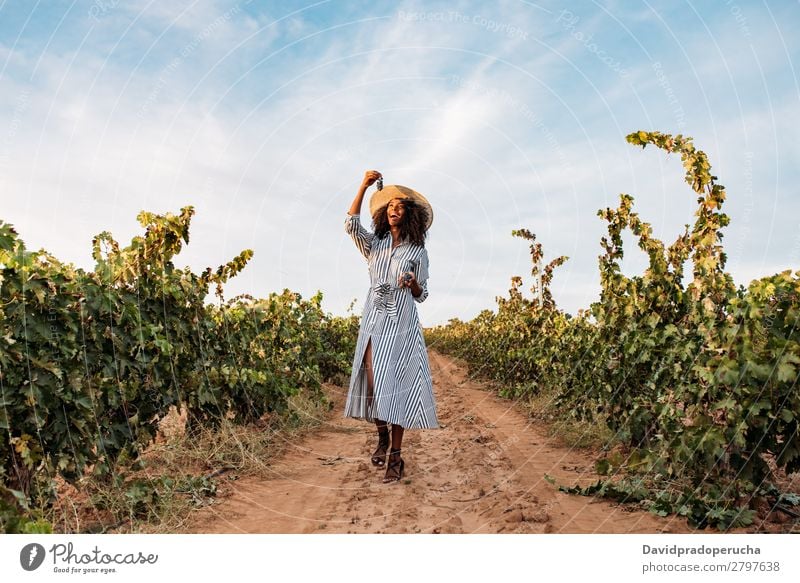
x: 410, y: 282
x: 407, y: 279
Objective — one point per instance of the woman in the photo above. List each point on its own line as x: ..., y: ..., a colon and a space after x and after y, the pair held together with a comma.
x: 391, y: 378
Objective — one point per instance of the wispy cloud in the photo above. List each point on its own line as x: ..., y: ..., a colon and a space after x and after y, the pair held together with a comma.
x: 504, y: 116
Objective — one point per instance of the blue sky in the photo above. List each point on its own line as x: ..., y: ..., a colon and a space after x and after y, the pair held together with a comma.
x: 265, y: 115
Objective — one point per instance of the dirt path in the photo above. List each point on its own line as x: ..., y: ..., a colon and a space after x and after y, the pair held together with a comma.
x: 482, y: 473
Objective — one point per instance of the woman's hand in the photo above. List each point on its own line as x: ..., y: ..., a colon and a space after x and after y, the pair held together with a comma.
x: 406, y: 279
x: 370, y: 176
x: 409, y: 280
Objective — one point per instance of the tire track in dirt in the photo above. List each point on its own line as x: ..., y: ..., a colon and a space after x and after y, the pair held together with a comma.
x: 483, y: 472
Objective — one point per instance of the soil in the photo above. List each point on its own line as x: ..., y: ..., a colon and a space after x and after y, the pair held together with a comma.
x: 482, y: 472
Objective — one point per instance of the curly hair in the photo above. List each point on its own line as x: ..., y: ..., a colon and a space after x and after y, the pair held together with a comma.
x: 412, y: 228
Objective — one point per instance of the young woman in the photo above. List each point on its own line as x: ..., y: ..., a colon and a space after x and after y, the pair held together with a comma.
x: 391, y: 378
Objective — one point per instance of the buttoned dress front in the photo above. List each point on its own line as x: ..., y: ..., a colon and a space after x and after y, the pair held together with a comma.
x: 403, y: 388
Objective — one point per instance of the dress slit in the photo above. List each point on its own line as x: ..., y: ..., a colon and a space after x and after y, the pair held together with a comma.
x: 370, y: 403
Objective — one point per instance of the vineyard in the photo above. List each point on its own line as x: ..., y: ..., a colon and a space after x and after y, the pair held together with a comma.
x: 696, y: 379
x: 91, y: 362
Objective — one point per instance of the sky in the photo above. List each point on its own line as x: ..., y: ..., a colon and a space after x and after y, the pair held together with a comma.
x: 265, y: 115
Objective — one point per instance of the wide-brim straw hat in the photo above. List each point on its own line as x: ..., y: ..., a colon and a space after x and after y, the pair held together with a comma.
x: 382, y: 197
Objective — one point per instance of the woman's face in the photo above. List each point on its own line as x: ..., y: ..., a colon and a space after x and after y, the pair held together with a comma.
x: 395, y: 211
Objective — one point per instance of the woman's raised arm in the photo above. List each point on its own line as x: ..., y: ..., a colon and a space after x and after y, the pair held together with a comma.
x: 370, y: 176
x: 352, y: 225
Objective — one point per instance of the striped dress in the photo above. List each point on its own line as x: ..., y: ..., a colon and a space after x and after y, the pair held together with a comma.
x: 403, y: 392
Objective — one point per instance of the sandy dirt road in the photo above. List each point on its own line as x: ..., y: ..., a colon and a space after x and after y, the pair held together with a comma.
x: 483, y: 472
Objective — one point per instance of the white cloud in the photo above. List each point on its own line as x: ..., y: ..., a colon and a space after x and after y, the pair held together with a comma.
x: 271, y: 155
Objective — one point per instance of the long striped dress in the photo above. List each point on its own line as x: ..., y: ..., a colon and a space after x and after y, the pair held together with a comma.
x: 403, y: 386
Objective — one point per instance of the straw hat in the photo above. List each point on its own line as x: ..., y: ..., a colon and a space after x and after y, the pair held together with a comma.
x: 381, y: 198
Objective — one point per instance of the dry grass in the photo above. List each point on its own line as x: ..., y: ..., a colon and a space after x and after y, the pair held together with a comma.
x: 557, y: 423
x: 180, y: 472
x: 565, y: 429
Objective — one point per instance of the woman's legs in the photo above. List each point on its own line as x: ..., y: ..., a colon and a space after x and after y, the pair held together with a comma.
x: 379, y: 457
x: 395, y: 469
x: 397, y: 436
